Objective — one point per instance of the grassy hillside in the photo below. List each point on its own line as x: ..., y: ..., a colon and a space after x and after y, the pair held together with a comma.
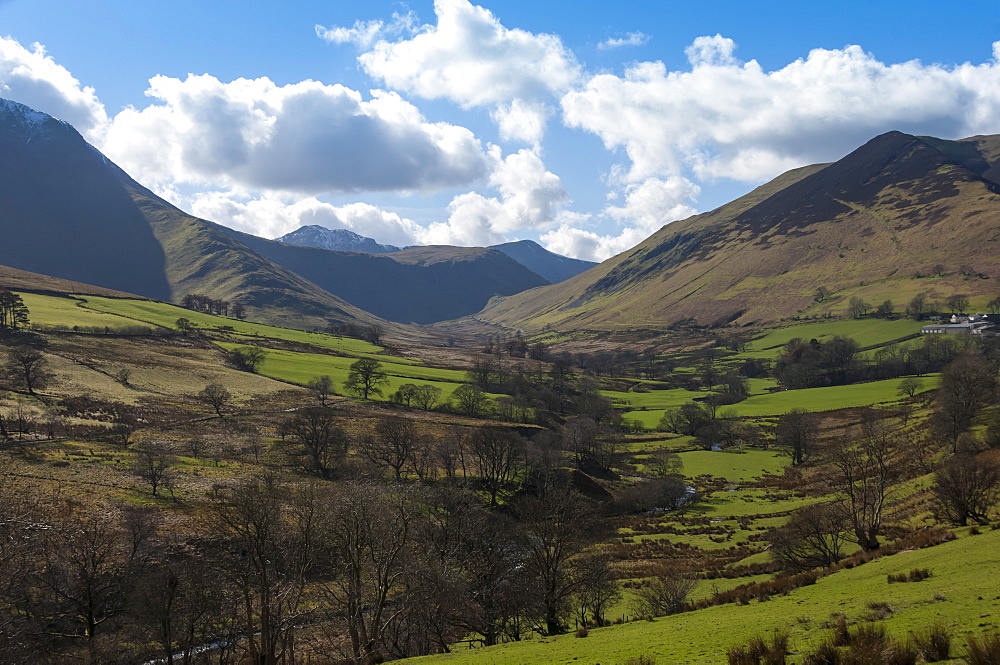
x: 875, y: 225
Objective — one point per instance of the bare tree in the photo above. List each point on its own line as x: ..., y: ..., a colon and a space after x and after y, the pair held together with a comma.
x: 124, y: 424
x: 392, y: 445
x: 797, y: 433
x: 499, y: 457
x: 368, y: 533
x: 426, y: 396
x: 323, y: 387
x: 967, y: 385
x: 599, y: 589
x: 216, y: 396
x: 967, y: 488
x: 152, y: 465
x: 322, y: 444
x: 858, y: 307
x: 663, y: 463
x: 812, y: 537
x: 909, y: 386
x: 27, y: 368
x: 273, y: 529
x: 470, y: 400
x: 666, y: 593
x: 867, y: 463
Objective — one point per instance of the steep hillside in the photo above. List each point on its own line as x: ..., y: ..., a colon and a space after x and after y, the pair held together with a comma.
x: 551, y: 266
x: 22, y: 280
x: 419, y: 285
x: 64, y: 213
x: 877, y: 224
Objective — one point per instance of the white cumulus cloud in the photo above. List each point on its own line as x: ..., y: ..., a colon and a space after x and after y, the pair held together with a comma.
x: 32, y: 77
x: 529, y: 199
x: 271, y: 217
x: 732, y: 119
x: 630, y: 39
x: 470, y: 58
x: 304, y: 137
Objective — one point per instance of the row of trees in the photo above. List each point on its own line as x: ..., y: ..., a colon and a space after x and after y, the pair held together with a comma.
x: 13, y: 311
x: 202, y: 303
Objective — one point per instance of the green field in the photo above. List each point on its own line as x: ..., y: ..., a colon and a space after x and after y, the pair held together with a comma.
x: 963, y: 593
x: 49, y: 311
x: 867, y: 332
x: 734, y: 466
x: 304, y: 367
x: 812, y: 399
x: 163, y: 314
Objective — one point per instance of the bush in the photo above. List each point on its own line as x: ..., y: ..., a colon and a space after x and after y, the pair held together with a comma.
x: 983, y: 651
x: 582, y: 631
x: 640, y: 660
x: 825, y: 654
x: 934, y: 643
x: 759, y: 651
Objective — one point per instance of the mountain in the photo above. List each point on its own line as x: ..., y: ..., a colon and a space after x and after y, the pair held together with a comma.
x: 335, y: 239
x: 898, y: 216
x: 553, y: 267
x: 69, y: 212
x: 418, y: 285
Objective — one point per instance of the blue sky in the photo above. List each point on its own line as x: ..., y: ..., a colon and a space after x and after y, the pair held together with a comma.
x: 584, y: 125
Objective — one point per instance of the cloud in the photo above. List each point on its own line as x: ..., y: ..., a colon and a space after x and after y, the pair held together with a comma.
x: 732, y: 119
x: 470, y: 58
x: 630, y: 39
x: 529, y: 199
x: 304, y: 137
x: 364, y: 33
x: 271, y: 217
x: 33, y: 78
x: 648, y: 206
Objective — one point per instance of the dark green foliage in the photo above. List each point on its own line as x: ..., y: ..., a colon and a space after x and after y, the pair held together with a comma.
x: 13, y: 312
x: 365, y: 378
x: 247, y: 358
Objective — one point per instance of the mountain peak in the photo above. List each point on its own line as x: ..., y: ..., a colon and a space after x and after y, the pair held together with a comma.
x: 341, y: 240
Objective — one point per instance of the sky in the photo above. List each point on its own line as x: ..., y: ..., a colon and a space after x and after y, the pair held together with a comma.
x: 583, y: 125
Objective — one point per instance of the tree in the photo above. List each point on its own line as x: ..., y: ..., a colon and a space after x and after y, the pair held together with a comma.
x: 958, y: 303
x: 239, y: 310
x: 498, y: 454
x: 867, y: 463
x: 797, y: 433
x: 27, y: 368
x: 858, y: 307
x: 152, y: 464
x: 599, y: 590
x: 365, y: 378
x: 273, y: 534
x: 967, y: 385
x: 994, y: 306
x: 665, y: 594
x: 124, y: 423
x: 822, y: 293
x: 323, y: 445
x: 13, y: 312
x: 909, y: 386
x: 247, y: 358
x: 323, y: 387
x: 663, y: 463
x: 813, y: 537
x: 216, y: 396
x: 184, y: 325
x: 470, y: 400
x: 967, y: 488
x: 884, y: 310
x: 426, y: 396
x: 393, y: 444
x: 917, y: 306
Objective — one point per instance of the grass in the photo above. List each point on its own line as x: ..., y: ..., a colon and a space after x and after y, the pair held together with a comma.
x: 964, y: 594
x: 733, y: 466
x: 65, y: 311
x: 166, y: 315
x: 301, y: 368
x: 813, y: 399
x: 867, y: 332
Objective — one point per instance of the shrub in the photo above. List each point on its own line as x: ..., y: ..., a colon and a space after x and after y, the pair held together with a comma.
x: 878, y: 611
x: 759, y: 651
x: 934, y: 643
x: 582, y: 631
x: 640, y: 660
x: 983, y: 651
x: 825, y: 654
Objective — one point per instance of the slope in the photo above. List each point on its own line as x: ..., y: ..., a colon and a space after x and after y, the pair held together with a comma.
x: 420, y: 284
x: 553, y: 267
x: 876, y: 224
